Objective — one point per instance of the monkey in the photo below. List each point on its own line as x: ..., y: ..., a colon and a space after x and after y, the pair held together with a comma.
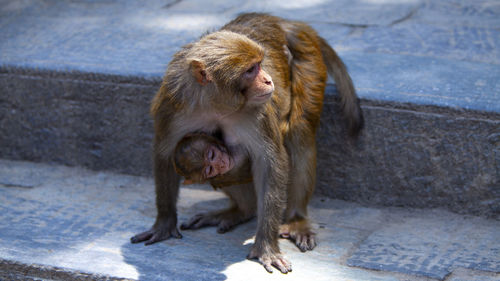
x: 200, y: 158
x: 238, y: 80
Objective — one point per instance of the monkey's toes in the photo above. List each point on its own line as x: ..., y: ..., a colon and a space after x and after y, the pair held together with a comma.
x: 306, y: 242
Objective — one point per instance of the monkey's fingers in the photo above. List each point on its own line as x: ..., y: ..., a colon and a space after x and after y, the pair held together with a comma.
x: 152, y: 236
x: 146, y: 235
x: 270, y: 260
x: 163, y: 235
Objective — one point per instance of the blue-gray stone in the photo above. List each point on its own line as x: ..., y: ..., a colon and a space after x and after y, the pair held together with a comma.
x: 443, y: 82
x: 432, y: 244
x: 78, y: 220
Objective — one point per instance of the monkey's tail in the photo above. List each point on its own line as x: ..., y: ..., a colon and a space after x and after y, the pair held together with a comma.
x: 349, y: 101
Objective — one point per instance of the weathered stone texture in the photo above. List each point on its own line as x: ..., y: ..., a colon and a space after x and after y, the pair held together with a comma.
x: 77, y: 119
x: 406, y: 156
x: 411, y: 156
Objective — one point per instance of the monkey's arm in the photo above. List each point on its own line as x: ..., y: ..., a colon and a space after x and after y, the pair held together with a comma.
x: 167, y: 190
x: 270, y: 173
x: 167, y: 181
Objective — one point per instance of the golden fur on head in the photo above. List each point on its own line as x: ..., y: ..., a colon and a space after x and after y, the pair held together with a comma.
x: 226, y: 56
x: 223, y: 56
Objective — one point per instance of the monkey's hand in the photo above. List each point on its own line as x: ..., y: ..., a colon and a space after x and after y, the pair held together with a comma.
x: 269, y: 258
x: 161, y: 230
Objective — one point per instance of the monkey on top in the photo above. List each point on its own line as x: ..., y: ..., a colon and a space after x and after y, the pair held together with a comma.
x: 260, y: 82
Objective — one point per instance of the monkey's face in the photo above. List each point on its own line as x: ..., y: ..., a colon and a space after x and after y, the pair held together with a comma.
x: 227, y: 66
x: 256, y: 85
x: 217, y: 161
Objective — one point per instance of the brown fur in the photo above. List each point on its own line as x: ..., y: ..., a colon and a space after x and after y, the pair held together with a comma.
x: 279, y: 136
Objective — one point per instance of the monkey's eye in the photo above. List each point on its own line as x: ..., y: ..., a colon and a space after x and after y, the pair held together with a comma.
x: 252, y: 69
x: 210, y: 154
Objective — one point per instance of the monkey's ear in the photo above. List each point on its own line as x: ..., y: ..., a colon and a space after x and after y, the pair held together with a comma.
x: 199, y: 72
x: 187, y: 182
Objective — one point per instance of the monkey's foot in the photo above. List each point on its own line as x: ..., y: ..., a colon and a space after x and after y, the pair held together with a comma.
x: 225, y: 220
x: 270, y: 259
x: 159, y: 232
x: 299, y: 232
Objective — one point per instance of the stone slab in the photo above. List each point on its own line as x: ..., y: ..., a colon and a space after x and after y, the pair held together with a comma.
x: 415, y: 157
x: 138, y: 39
x: 462, y: 274
x: 408, y: 155
x: 79, y: 220
x: 96, y: 65
x: 443, y: 82
x: 432, y: 244
x: 455, y: 42
x: 480, y: 13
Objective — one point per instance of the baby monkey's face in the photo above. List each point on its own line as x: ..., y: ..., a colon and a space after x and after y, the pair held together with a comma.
x: 217, y: 161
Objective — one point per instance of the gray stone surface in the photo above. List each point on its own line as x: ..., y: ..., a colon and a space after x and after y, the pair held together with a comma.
x: 410, y: 156
x: 75, y: 223
x: 461, y: 274
x: 431, y: 244
x: 77, y: 119
x: 400, y: 47
x: 76, y: 78
x: 407, y: 155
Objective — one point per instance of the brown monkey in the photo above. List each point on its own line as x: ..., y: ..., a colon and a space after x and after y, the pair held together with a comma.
x: 200, y: 158
x: 238, y: 80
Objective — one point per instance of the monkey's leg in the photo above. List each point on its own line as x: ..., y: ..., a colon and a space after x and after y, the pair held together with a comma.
x: 167, y: 189
x: 302, y: 181
x: 243, y: 204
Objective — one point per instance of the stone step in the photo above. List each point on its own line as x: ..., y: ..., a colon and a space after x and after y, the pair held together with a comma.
x: 408, y: 155
x: 76, y: 79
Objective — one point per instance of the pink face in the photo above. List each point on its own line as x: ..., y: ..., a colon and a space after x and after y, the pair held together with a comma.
x: 217, y: 162
x: 258, y: 84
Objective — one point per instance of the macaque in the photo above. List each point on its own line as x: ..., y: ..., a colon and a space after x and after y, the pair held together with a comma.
x: 240, y: 82
x: 200, y: 157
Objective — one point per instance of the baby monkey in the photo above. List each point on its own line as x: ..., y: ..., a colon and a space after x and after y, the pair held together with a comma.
x: 200, y: 157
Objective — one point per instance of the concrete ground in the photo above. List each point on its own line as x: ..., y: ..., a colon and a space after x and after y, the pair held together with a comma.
x: 62, y: 223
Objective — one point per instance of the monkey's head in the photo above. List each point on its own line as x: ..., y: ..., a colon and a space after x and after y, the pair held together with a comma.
x: 229, y: 66
x: 199, y: 157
